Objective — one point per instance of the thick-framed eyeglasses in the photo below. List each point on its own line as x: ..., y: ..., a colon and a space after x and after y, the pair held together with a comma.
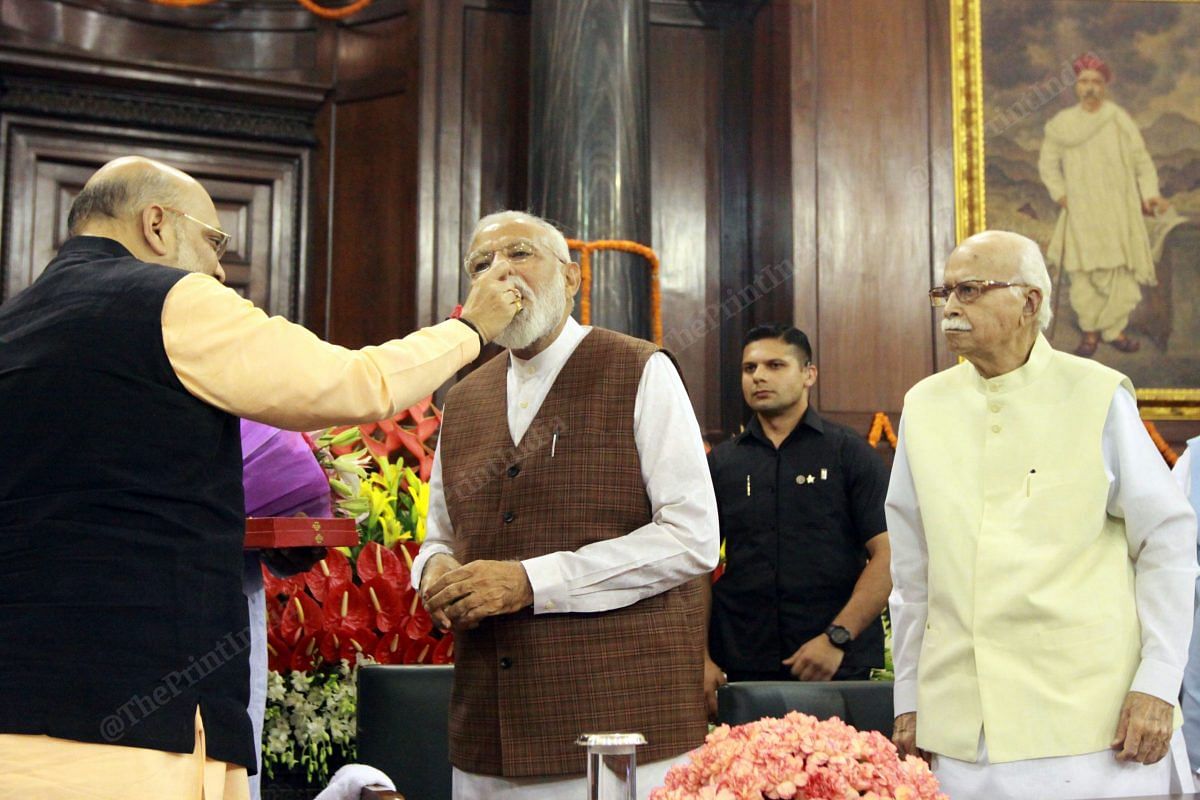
x: 217, y: 238
x: 518, y: 251
x: 967, y: 291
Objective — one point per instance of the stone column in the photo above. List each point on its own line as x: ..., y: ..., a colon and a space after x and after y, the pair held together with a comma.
x: 589, y: 161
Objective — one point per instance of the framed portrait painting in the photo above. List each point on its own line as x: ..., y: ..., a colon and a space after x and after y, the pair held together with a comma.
x: 1077, y: 124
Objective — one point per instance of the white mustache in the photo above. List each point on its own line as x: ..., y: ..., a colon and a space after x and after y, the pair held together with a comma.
x: 955, y: 324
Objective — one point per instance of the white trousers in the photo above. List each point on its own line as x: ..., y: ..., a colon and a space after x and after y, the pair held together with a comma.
x: 1092, y: 775
x: 469, y: 786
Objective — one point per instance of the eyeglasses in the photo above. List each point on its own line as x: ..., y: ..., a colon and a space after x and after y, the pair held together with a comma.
x: 516, y: 252
x: 219, y: 240
x: 966, y: 292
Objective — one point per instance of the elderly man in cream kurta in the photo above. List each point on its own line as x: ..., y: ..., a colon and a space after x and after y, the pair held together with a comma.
x: 1042, y: 557
x: 1095, y: 165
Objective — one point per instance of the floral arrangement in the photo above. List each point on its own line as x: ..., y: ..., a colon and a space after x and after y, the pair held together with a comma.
x: 798, y: 757
x: 357, y: 604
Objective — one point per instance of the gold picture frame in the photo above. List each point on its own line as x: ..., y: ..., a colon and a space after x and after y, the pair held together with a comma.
x: 970, y: 162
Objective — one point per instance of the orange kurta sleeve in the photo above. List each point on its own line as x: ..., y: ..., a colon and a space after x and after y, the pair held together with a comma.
x: 230, y: 354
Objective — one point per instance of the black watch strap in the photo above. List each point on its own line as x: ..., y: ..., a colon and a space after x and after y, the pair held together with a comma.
x: 839, y: 636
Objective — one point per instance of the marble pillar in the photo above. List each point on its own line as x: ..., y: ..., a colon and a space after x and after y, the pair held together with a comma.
x: 589, y: 161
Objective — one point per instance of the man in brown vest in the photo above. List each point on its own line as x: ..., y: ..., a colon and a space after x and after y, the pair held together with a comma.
x: 570, y: 513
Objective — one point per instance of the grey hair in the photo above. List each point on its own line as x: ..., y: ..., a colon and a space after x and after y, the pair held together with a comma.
x: 117, y: 197
x: 1031, y: 269
x: 554, y: 237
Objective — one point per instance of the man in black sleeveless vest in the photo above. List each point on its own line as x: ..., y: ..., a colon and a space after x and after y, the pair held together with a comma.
x: 123, y: 371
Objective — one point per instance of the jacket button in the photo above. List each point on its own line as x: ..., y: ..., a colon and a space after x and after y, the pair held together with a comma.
x: 514, y: 471
x: 505, y: 662
x: 509, y: 516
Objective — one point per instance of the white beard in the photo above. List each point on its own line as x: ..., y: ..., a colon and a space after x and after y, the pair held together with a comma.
x: 539, y: 317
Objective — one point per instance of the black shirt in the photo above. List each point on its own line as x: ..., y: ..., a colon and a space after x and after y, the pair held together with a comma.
x: 795, y: 521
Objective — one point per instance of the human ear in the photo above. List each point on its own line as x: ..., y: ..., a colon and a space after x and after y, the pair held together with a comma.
x: 574, y: 276
x: 1033, y: 302
x: 153, y: 222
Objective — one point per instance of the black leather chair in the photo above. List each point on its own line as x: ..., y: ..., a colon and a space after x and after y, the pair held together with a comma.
x: 402, y: 726
x: 867, y: 705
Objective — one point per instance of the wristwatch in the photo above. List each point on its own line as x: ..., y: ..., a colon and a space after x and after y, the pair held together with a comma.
x: 838, y: 636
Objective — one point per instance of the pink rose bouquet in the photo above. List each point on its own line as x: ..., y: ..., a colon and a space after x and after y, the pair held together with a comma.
x: 798, y: 758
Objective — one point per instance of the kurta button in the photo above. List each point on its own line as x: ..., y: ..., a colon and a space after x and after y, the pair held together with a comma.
x: 995, y: 429
x: 995, y: 408
x: 514, y: 471
x: 509, y: 516
x: 505, y: 662
x: 993, y: 388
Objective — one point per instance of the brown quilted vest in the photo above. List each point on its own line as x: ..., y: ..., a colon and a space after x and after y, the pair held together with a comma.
x: 526, y: 686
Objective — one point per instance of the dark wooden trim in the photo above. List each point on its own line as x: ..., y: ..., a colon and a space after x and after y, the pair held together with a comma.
x: 131, y: 75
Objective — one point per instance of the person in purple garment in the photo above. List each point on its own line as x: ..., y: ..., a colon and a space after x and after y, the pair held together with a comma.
x: 281, y: 478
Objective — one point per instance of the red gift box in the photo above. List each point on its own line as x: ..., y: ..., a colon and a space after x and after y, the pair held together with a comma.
x: 272, y: 532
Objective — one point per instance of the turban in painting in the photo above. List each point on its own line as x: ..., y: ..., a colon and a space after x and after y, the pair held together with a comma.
x: 1093, y: 62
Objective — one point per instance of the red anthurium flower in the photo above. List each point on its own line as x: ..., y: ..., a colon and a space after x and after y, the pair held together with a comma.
x: 391, y: 648
x: 388, y: 604
x: 330, y: 573
x: 444, y: 652
x: 302, y: 617
x: 281, y: 586
x: 279, y: 655
x: 346, y: 610
x: 407, y: 551
x: 419, y: 624
x: 376, y: 561
x: 330, y: 644
x: 425, y: 469
x: 355, y: 642
x: 421, y: 651
x: 307, y: 653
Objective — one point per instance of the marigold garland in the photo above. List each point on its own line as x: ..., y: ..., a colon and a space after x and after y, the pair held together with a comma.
x: 319, y: 10
x: 585, y: 250
x: 881, y: 426
x: 1167, y: 453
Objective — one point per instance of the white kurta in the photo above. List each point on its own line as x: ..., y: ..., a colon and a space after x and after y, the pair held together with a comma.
x: 681, y: 542
x: 1138, y: 483
x: 1099, y: 162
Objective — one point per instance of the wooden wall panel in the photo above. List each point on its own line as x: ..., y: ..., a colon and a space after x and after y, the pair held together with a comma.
x: 685, y: 205
x: 874, y: 240
x: 372, y: 296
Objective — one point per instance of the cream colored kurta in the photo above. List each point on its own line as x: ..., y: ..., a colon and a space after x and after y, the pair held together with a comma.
x: 1040, y: 574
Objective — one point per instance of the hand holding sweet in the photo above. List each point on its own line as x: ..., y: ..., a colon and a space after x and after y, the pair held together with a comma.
x: 491, y: 304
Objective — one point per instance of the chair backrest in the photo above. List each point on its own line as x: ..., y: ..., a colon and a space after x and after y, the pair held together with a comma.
x: 402, y: 726
x: 867, y: 705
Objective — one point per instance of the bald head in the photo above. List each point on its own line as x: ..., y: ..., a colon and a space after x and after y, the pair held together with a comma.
x: 159, y: 213
x: 123, y: 187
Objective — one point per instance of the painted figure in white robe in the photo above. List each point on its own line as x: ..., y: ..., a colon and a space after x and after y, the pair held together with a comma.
x: 1043, y: 559
x: 1095, y: 165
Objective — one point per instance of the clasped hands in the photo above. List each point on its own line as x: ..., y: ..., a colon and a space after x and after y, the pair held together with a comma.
x: 1143, y: 733
x: 461, y: 597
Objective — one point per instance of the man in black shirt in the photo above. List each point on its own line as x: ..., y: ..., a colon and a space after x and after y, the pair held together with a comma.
x: 801, y: 510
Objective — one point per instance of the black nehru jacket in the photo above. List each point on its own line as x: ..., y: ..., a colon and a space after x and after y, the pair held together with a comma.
x: 795, y: 521
x: 121, y: 521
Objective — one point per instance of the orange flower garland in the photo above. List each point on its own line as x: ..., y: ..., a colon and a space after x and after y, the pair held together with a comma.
x: 881, y: 426
x: 586, y: 249
x: 320, y: 11
x: 1167, y: 453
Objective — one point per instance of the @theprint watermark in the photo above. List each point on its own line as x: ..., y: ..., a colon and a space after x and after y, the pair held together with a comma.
x: 137, y: 708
